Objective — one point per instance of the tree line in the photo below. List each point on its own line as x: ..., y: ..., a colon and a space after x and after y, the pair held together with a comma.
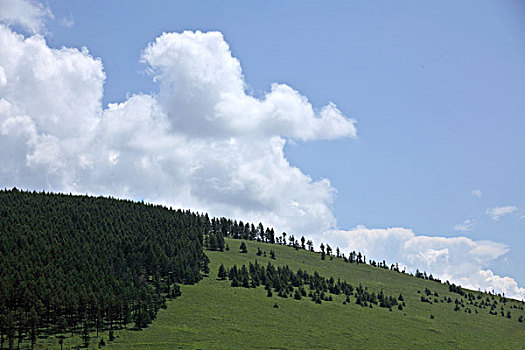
x: 300, y: 284
x: 219, y: 228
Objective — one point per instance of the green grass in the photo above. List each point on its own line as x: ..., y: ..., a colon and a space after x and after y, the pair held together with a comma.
x: 213, y: 315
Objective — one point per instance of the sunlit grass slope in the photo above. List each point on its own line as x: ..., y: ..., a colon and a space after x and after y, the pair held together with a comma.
x: 213, y: 315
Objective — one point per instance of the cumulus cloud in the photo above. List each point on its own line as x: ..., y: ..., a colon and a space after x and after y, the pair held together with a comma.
x: 476, y: 193
x: 203, y: 94
x: 464, y: 226
x: 200, y: 142
x: 28, y: 14
x: 457, y: 259
x: 497, y: 212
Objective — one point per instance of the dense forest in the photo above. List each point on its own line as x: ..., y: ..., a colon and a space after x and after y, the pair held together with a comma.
x: 78, y: 263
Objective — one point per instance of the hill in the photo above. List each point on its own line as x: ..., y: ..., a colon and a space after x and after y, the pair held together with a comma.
x: 211, y: 314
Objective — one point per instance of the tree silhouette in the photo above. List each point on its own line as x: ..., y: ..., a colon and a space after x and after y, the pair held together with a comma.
x: 243, y: 248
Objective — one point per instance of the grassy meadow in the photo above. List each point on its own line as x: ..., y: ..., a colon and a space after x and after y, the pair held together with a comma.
x: 213, y: 315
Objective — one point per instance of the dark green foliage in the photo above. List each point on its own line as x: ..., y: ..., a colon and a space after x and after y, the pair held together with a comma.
x: 204, y: 265
x: 456, y: 289
x: 221, y: 274
x: 423, y: 275
x: 85, y: 335
x: 286, y: 284
x: 235, y: 282
x: 71, y: 263
x: 175, y: 291
x: 243, y: 248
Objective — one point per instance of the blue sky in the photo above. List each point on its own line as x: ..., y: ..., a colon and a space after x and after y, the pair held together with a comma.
x: 437, y: 90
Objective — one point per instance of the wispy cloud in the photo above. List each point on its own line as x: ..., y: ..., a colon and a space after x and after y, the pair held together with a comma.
x: 68, y: 21
x: 476, y: 193
x: 464, y: 226
x: 497, y: 212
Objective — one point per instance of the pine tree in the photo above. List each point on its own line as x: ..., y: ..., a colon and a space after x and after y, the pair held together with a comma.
x: 221, y: 274
x: 310, y: 245
x: 85, y: 335
x: 213, y: 241
x: 243, y: 248
x: 205, y: 264
x: 329, y: 250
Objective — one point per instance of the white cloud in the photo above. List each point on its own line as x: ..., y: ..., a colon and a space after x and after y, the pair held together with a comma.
x: 201, y: 142
x: 464, y: 226
x: 203, y: 95
x: 498, y: 212
x: 28, y: 14
x: 476, y: 193
x: 457, y: 259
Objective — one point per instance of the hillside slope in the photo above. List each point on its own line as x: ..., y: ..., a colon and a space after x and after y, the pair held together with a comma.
x: 213, y: 315
x: 77, y: 269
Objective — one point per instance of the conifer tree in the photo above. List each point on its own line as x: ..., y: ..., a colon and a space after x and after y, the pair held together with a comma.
x: 243, y: 248
x: 221, y: 274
